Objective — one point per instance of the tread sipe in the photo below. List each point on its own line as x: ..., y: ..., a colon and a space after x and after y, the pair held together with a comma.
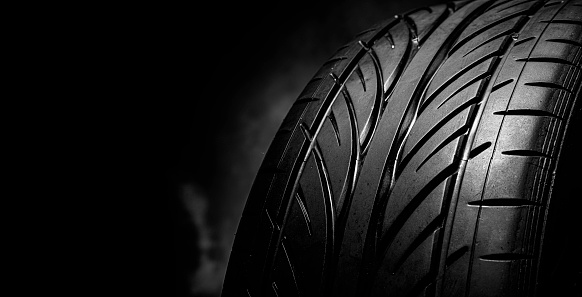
x: 425, y: 159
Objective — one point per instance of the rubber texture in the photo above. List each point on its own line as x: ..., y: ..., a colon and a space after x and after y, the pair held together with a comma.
x: 425, y: 159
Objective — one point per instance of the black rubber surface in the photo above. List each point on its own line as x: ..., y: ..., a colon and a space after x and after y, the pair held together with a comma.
x: 421, y: 160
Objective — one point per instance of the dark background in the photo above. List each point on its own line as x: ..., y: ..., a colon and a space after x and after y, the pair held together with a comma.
x: 223, y: 76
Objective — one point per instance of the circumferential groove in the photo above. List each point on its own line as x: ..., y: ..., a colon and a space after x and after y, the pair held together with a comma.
x: 503, y: 202
x: 505, y: 257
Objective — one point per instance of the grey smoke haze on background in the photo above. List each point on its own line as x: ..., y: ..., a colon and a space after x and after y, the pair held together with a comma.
x: 250, y: 102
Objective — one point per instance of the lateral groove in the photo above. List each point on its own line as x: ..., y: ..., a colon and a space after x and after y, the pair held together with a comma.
x: 433, y: 131
x: 456, y: 255
x: 525, y: 40
x: 461, y: 131
x: 502, y: 202
x: 333, y: 122
x: 501, y: 84
x: 479, y: 149
x: 566, y: 41
x: 514, y: 5
x: 497, y: 5
x: 333, y: 60
x: 569, y: 22
x: 544, y: 84
x: 361, y: 77
x: 469, y: 83
x: 300, y: 197
x: 505, y: 257
x: 526, y: 153
x: 494, y: 55
x: 291, y: 268
x: 547, y: 60
x: 462, y: 42
x: 527, y: 112
x: 504, y: 33
x: 387, y: 239
x: 432, y: 227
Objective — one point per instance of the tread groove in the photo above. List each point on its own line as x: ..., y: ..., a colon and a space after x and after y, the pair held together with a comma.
x: 291, y: 268
x: 569, y: 22
x: 387, y: 239
x: 333, y: 60
x: 524, y: 40
x: 514, y: 5
x: 497, y: 5
x: 456, y: 255
x: 526, y: 153
x: 502, y: 202
x: 300, y: 197
x: 461, y: 131
x: 527, y: 112
x: 361, y: 76
x: 501, y: 84
x: 547, y: 60
x: 554, y: 3
x: 306, y: 100
x: 433, y: 131
x: 472, y: 81
x: 548, y: 85
x: 566, y: 41
x: 505, y: 257
x: 504, y: 33
x: 333, y: 122
x: 390, y: 39
x: 494, y: 56
x: 432, y: 227
x: 370, y: 128
x: 462, y: 42
x: 479, y: 149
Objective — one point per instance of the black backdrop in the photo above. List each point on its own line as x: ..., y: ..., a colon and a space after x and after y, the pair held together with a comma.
x: 222, y: 77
